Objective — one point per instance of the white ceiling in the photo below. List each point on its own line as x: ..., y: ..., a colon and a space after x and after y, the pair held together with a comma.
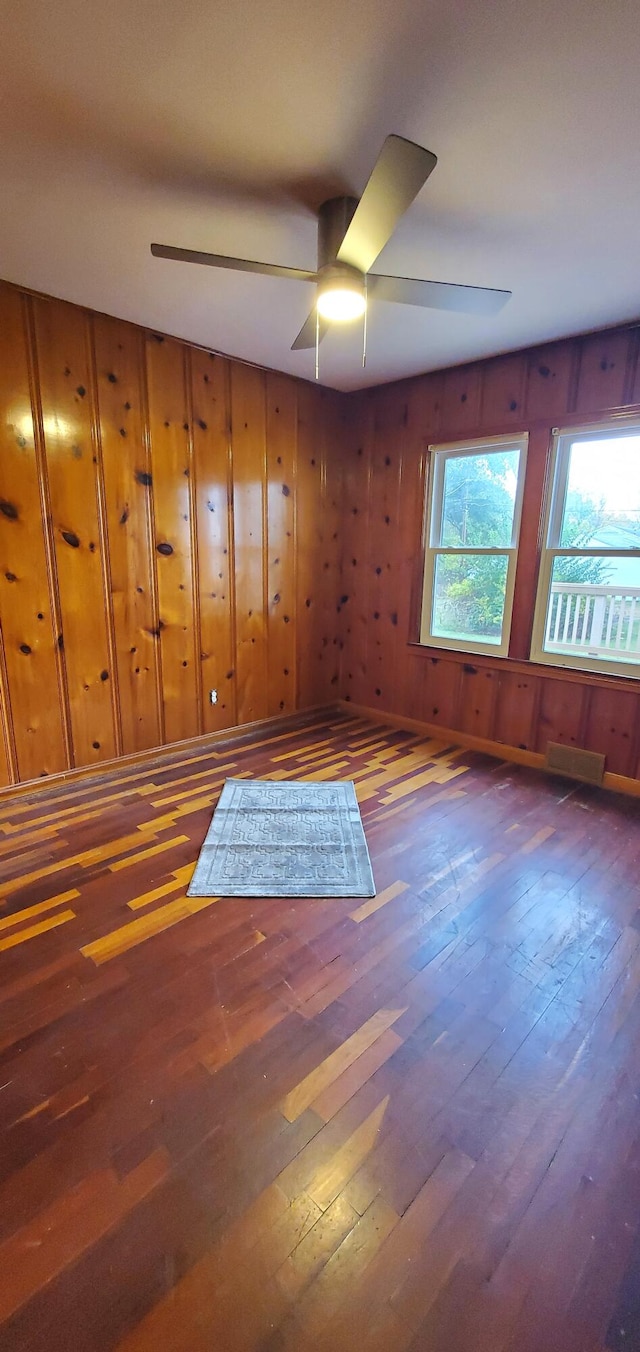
x: 221, y: 125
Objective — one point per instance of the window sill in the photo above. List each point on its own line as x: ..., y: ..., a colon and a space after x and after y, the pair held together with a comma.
x: 483, y: 650
x: 564, y: 663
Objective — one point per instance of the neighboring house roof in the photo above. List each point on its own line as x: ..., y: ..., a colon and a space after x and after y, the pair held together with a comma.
x: 617, y: 535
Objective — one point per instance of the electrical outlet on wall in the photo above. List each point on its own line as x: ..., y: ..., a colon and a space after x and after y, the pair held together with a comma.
x: 213, y: 696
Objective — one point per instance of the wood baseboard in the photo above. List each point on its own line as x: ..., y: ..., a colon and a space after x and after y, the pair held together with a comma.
x: 243, y: 732
x: 246, y: 732
x: 501, y: 750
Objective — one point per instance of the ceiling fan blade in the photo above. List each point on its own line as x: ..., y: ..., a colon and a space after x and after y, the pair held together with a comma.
x: 307, y: 335
x: 212, y: 260
x: 471, y: 300
x: 401, y: 169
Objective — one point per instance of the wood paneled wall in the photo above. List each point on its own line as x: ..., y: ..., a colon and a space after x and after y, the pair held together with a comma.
x: 168, y: 526
x: 173, y: 522
x: 511, y: 701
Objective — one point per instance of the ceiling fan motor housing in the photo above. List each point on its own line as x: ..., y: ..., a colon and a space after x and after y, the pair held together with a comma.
x: 337, y: 281
x: 340, y: 274
x: 334, y: 218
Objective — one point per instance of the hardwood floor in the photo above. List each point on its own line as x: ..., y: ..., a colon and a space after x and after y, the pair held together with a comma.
x: 266, y: 1126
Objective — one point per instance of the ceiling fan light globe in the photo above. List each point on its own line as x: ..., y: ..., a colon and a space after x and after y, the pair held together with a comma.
x: 341, y: 293
x: 341, y: 304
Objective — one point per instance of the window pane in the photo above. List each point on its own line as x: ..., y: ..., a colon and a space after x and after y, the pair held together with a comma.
x: 594, y: 608
x: 479, y: 499
x: 468, y: 596
x: 602, y: 505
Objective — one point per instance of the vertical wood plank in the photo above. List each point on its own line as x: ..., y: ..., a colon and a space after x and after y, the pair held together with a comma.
x: 65, y: 378
x: 248, y: 436
x: 127, y: 481
x: 604, y: 363
x: 28, y: 621
x: 424, y: 407
x: 330, y: 559
x: 562, y: 706
x: 549, y: 377
x: 354, y: 600
x: 461, y: 391
x: 633, y: 389
x: 611, y: 727
x: 503, y: 387
x: 281, y: 543
x: 515, y: 709
x: 212, y: 472
x: 170, y: 470
x: 7, y: 770
x: 310, y: 500
x: 478, y: 692
x: 425, y: 398
x: 389, y: 423
x: 437, y: 690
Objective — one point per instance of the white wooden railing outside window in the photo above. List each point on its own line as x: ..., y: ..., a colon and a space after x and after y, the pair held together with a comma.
x: 599, y: 621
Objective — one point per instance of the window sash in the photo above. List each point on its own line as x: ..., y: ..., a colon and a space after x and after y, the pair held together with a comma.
x: 551, y: 550
x: 433, y: 549
x: 435, y: 486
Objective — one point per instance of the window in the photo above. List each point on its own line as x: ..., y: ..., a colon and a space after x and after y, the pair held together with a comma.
x: 473, y: 519
x: 588, y: 608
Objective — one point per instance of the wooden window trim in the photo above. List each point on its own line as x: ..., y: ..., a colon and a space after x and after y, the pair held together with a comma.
x: 434, y: 488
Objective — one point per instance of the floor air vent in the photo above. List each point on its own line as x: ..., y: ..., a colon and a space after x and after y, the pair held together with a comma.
x: 587, y: 766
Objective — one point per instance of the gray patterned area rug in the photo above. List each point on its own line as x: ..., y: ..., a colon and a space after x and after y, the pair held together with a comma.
x: 284, y: 840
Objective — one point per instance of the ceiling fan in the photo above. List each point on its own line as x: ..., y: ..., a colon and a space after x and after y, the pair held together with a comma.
x: 351, y: 235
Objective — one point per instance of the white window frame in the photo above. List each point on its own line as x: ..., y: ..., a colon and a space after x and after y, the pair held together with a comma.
x: 438, y: 455
x: 551, y: 549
